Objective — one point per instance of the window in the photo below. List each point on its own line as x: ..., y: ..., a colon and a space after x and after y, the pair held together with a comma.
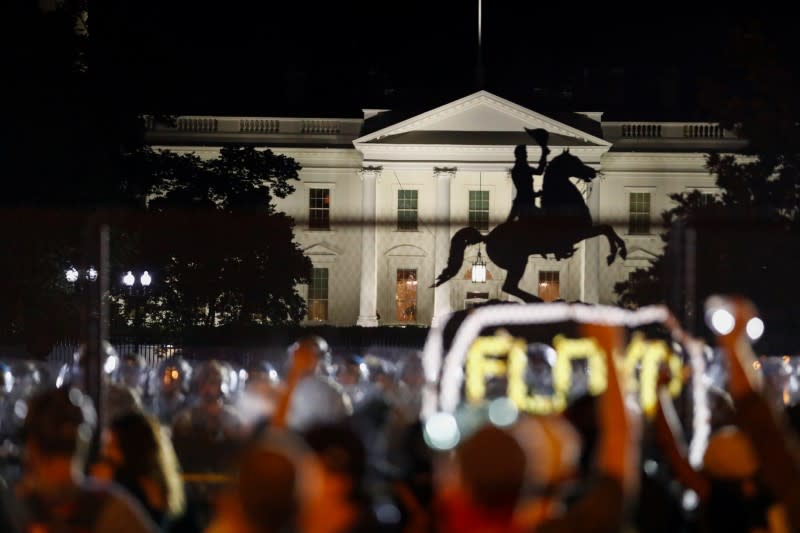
x: 479, y: 210
x: 639, y: 221
x: 475, y: 298
x: 319, y: 208
x: 318, y: 295
x: 406, y: 295
x: 549, y: 285
x: 407, y: 210
x: 707, y: 198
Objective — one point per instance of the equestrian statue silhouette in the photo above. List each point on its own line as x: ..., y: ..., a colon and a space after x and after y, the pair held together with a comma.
x: 562, y: 221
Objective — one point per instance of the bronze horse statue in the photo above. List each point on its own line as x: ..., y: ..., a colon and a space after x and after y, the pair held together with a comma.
x: 561, y: 222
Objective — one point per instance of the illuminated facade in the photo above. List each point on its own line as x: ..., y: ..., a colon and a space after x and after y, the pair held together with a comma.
x: 416, y: 180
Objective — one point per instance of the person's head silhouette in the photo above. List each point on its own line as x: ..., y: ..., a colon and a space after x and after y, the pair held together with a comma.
x: 521, y: 152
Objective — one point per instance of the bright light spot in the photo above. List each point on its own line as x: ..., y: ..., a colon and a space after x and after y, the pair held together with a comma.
x: 72, y: 274
x: 650, y: 467
x: 20, y: 409
x: 757, y: 365
x: 479, y: 273
x: 502, y: 412
x: 722, y: 321
x: 111, y: 364
x: 76, y: 397
x: 128, y: 279
x: 755, y: 328
x: 91, y: 274
x: 690, y: 500
x: 441, y: 431
x: 145, y: 280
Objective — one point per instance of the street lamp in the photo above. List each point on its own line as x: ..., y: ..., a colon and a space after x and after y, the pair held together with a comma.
x: 137, y: 296
x: 129, y: 280
x: 72, y: 274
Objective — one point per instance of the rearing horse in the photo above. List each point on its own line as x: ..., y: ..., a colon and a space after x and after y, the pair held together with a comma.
x: 563, y: 221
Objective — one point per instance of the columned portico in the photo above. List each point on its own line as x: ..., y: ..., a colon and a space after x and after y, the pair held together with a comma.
x: 441, y: 296
x: 367, y: 312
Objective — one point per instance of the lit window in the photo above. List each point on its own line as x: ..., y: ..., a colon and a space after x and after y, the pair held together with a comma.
x: 319, y: 212
x: 639, y: 220
x: 479, y: 210
x: 549, y: 285
x: 407, y: 210
x: 406, y: 295
x: 318, y: 295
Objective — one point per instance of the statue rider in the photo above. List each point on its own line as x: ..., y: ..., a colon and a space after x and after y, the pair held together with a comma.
x: 522, y: 175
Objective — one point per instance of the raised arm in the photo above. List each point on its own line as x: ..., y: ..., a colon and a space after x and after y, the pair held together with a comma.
x: 602, y: 507
x: 669, y: 435
x: 304, y: 362
x: 775, y: 445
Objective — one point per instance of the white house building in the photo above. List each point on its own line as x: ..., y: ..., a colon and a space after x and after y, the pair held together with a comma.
x: 415, y: 181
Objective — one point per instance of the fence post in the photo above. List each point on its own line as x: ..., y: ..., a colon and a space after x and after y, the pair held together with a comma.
x: 95, y: 323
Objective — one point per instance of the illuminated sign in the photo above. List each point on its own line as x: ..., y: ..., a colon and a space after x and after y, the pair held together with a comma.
x: 506, y: 356
x: 476, y: 358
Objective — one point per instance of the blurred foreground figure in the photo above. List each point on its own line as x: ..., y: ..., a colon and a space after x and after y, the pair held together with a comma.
x: 517, y: 479
x: 53, y: 494
x: 337, y: 499
x: 140, y: 458
x: 310, y: 397
x: 775, y: 445
x: 265, y: 495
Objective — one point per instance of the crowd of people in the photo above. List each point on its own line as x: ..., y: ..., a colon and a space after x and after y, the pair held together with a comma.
x: 327, y: 444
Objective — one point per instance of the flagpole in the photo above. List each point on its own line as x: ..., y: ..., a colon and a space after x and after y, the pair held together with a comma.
x: 479, y: 81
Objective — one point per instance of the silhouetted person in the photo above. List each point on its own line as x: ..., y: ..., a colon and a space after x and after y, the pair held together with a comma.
x: 522, y: 175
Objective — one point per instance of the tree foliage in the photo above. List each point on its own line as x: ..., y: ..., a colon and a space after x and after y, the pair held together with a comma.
x: 747, y: 239
x: 224, y: 254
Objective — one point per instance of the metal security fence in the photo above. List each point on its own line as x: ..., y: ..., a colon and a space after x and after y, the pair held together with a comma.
x: 360, y: 283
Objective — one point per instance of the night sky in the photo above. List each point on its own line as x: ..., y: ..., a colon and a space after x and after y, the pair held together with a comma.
x: 261, y: 58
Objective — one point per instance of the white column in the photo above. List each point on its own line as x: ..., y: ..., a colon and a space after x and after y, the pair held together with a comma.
x: 367, y: 311
x: 441, y: 294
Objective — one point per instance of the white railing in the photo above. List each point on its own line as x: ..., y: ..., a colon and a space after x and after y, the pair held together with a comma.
x: 198, y: 124
x: 259, y: 125
x: 641, y: 130
x: 702, y: 131
x: 321, y: 127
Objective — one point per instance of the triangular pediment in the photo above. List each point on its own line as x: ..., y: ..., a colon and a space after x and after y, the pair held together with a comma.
x: 481, y: 118
x: 636, y: 253
x: 322, y: 248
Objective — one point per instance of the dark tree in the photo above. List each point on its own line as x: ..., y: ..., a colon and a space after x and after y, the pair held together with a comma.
x: 748, y: 238
x: 224, y: 254
x: 74, y: 149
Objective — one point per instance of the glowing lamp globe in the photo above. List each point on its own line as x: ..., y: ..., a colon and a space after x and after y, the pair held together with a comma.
x: 72, y: 274
x: 479, y: 270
